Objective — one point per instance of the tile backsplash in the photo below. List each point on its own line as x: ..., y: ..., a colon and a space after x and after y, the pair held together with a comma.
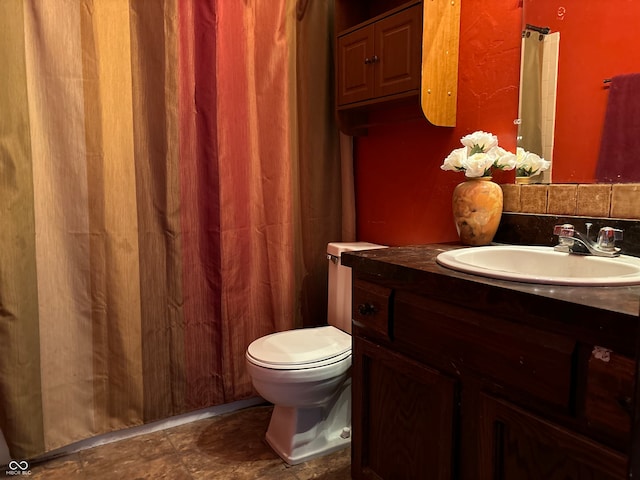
x: 588, y: 200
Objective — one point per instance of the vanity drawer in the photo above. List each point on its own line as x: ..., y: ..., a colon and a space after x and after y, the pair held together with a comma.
x: 512, y: 356
x: 609, y: 393
x: 371, y: 308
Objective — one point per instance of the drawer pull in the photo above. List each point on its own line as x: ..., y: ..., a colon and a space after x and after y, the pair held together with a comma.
x: 366, y: 309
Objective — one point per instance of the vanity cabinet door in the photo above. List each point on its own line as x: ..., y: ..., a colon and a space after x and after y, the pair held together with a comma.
x: 403, y: 417
x: 609, y: 395
x: 516, y: 445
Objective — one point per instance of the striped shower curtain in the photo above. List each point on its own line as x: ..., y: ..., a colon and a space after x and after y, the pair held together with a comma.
x: 156, y: 201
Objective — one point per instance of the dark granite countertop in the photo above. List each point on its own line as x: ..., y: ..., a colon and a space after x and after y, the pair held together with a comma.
x: 417, y: 265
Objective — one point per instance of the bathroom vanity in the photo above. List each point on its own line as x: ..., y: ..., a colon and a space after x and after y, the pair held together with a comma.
x: 460, y: 376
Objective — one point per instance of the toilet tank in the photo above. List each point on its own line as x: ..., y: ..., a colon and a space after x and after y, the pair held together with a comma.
x: 339, y: 301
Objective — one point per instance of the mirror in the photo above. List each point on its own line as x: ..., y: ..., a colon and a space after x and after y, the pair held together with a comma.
x: 537, y: 107
x: 597, y: 41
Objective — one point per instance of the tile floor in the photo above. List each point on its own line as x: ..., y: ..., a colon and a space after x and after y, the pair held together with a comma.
x: 228, y: 446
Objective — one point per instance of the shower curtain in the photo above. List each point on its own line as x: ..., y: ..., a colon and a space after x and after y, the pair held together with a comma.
x: 169, y: 177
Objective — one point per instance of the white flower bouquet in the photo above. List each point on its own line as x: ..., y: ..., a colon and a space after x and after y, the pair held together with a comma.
x: 479, y: 156
x: 529, y: 164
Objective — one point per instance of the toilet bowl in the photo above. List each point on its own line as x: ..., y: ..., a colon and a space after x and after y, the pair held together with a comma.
x: 305, y: 373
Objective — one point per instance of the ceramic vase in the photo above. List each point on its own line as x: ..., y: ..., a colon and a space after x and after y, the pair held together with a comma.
x: 477, y: 209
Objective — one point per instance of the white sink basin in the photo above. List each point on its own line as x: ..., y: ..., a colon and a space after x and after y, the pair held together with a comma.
x: 543, y: 265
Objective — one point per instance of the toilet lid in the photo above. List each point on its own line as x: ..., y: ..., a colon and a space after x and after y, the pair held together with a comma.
x: 302, y: 348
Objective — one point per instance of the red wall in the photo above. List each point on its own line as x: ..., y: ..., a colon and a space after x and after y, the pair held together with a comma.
x: 598, y: 40
x: 402, y: 196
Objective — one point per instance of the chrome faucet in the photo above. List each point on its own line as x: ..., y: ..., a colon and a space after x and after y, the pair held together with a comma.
x: 572, y: 241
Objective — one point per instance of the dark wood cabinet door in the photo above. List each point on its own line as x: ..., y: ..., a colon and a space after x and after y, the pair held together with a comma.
x: 398, y: 52
x: 403, y: 417
x: 609, y: 395
x: 355, y: 66
x: 515, y: 445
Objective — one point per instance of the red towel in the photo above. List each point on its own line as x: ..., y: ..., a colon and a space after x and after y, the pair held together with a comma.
x: 619, y: 159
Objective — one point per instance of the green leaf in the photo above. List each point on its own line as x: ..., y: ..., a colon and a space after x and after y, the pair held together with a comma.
x: 476, y: 149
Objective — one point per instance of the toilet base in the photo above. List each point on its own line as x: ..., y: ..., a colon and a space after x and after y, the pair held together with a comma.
x: 298, y: 434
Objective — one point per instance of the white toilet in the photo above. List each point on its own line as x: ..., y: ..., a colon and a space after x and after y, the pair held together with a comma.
x: 305, y: 373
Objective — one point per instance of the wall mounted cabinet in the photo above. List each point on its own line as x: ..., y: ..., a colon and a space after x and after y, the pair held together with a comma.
x: 381, y: 58
x: 387, y: 54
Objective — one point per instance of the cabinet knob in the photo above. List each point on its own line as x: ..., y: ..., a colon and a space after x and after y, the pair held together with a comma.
x: 367, y: 61
x: 366, y: 309
x: 375, y: 59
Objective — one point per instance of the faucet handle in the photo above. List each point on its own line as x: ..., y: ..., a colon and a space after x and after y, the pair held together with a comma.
x: 565, y: 230
x: 607, y: 237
